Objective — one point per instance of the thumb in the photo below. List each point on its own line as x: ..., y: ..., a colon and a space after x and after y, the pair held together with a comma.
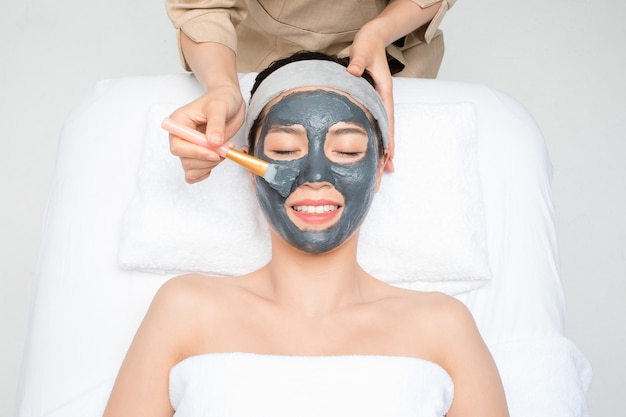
x: 356, y: 66
x: 215, y: 126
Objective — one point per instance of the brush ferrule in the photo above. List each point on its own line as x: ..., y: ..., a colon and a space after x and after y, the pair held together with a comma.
x: 253, y: 164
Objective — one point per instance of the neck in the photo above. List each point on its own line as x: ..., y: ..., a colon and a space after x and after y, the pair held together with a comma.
x: 315, y: 284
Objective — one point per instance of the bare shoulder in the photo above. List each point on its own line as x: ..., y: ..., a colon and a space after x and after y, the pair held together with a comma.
x: 192, y: 295
x: 433, y: 323
x: 195, y: 310
x: 448, y: 312
x: 179, y: 298
x: 444, y: 332
x: 194, y: 282
x: 183, y: 289
x: 176, y: 326
x: 434, y: 307
x: 439, y: 328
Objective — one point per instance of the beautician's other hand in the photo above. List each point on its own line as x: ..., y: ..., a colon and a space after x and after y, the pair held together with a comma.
x: 399, y: 18
x: 368, y: 52
x: 220, y: 112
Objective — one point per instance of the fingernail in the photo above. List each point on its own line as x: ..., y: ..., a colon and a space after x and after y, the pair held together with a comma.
x: 213, y: 157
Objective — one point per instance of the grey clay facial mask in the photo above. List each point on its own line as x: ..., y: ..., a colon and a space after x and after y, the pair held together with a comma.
x: 317, y: 111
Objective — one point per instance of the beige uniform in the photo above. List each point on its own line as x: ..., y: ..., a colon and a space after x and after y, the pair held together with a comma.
x: 262, y: 31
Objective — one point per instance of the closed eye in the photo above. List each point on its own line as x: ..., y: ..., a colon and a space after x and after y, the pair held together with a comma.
x: 283, y: 152
x: 285, y: 143
x: 346, y: 143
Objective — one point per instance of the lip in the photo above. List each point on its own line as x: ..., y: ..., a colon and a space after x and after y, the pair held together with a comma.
x: 316, y: 212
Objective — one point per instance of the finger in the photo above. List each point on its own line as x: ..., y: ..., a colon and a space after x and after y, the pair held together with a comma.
x: 389, y: 167
x: 384, y: 86
x: 216, y: 118
x: 189, y: 116
x: 196, y: 170
x: 191, y: 178
x: 191, y: 164
x: 184, y: 149
x: 356, y: 66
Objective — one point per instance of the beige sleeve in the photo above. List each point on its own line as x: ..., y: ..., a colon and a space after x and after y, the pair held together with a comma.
x: 433, y: 26
x: 206, y: 21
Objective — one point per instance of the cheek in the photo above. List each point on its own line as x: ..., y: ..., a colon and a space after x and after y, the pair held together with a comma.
x: 356, y: 182
x: 359, y: 174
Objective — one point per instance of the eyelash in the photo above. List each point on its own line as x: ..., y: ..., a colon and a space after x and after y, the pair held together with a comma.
x: 351, y: 154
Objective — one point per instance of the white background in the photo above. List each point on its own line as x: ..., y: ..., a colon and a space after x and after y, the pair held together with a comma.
x: 564, y: 60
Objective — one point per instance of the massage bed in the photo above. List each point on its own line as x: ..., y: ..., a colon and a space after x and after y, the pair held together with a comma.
x: 468, y: 212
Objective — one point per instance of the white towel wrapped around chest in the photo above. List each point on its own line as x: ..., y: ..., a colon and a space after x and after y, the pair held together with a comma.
x: 244, y: 385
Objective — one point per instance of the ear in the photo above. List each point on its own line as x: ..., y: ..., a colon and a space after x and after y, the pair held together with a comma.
x: 381, y: 168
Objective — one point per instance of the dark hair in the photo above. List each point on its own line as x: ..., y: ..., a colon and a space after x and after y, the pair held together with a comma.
x: 304, y: 56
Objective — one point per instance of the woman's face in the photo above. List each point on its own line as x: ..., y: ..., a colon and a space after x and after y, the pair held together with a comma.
x: 331, y: 143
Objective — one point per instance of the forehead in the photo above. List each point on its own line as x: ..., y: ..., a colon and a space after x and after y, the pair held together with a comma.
x: 332, y: 96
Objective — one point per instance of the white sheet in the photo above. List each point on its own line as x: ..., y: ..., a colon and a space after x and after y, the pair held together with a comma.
x: 86, y: 309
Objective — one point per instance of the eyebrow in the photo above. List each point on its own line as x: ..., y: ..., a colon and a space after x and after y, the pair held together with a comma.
x: 291, y: 129
x: 347, y: 129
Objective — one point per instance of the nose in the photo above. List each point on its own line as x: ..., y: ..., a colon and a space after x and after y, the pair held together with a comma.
x: 316, y: 169
x: 313, y: 170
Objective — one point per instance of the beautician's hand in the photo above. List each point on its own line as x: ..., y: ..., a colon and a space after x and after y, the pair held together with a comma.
x: 221, y: 113
x: 368, y: 52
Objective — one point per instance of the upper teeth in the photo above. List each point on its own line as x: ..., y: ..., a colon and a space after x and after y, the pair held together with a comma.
x: 316, y: 209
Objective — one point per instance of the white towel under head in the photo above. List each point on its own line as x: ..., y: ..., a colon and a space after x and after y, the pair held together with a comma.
x: 426, y: 228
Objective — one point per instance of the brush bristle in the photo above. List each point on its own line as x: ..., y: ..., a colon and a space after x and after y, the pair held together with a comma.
x: 281, y: 178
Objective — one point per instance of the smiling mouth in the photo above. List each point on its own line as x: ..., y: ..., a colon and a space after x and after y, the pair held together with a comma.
x: 316, y: 215
x: 321, y: 209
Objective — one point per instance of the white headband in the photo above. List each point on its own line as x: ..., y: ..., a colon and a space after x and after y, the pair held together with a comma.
x: 318, y: 73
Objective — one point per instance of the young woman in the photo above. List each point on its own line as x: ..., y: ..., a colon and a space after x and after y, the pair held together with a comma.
x: 311, y: 333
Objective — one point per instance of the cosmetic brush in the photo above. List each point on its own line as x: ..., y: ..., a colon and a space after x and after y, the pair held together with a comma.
x: 279, y: 177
